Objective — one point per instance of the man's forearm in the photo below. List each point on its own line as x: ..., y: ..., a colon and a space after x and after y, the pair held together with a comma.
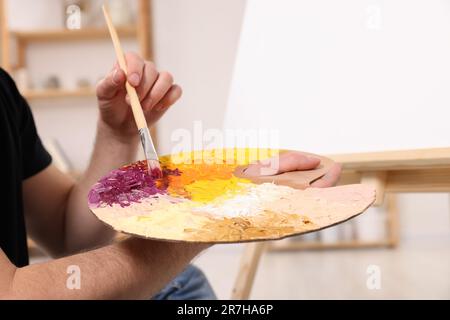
x: 83, y: 230
x: 132, y: 269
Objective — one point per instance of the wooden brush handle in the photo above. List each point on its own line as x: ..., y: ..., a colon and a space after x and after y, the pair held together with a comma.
x: 134, y: 98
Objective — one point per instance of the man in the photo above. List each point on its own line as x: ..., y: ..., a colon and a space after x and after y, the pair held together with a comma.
x: 54, y: 207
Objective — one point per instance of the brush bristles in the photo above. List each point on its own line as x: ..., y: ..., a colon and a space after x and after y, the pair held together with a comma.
x: 154, y: 167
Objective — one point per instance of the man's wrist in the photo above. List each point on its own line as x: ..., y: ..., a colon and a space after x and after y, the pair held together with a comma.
x: 105, y: 132
x: 146, y: 249
x: 111, y: 150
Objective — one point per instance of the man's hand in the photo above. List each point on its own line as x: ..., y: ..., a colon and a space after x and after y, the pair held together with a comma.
x: 156, y: 91
x: 56, y: 206
x: 296, y: 161
x: 130, y: 269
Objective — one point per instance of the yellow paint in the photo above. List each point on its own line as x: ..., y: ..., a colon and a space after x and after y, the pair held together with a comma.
x: 229, y: 156
x: 207, y: 190
x: 208, y: 174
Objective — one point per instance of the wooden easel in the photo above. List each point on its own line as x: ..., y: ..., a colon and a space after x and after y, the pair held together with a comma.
x: 391, y: 172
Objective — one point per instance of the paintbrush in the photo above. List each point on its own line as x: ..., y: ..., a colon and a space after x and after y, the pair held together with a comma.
x: 144, y: 132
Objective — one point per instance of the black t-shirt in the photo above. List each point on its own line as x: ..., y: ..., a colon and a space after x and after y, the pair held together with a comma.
x: 21, y: 156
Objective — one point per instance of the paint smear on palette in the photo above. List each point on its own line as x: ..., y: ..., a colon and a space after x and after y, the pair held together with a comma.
x: 200, y: 180
x: 130, y: 184
x: 198, y: 198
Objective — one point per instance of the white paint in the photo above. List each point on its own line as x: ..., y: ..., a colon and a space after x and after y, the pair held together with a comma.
x: 251, y: 200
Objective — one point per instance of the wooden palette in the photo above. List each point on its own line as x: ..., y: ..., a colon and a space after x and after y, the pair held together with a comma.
x: 206, y: 196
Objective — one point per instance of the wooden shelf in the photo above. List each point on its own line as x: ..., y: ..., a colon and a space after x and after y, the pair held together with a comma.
x: 139, y: 30
x: 58, y: 93
x: 71, y: 35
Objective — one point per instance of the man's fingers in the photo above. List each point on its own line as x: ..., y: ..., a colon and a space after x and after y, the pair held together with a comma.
x: 108, y: 87
x: 149, y: 77
x: 169, y: 99
x: 293, y: 161
x: 330, y: 178
x: 161, y: 87
x: 135, y: 68
x: 285, y: 162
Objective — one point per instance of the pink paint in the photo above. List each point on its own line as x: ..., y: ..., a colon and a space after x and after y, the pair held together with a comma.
x: 130, y: 184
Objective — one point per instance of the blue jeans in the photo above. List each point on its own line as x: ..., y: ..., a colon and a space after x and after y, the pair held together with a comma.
x: 191, y: 284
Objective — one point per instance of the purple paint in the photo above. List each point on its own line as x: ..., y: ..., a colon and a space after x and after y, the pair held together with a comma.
x: 130, y: 184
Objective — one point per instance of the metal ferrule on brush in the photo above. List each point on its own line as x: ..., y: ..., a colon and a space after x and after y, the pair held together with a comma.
x: 147, y: 144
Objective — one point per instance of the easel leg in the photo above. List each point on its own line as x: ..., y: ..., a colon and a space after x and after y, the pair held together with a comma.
x: 392, y: 221
x: 247, y: 270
